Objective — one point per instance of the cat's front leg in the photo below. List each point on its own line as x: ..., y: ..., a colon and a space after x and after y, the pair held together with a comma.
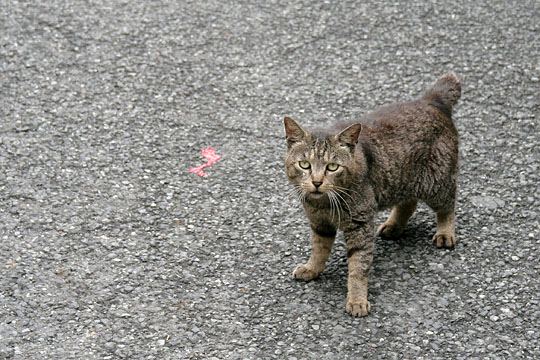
x: 359, y: 239
x: 322, y: 239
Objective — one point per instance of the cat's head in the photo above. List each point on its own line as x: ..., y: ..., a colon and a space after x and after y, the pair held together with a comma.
x: 318, y: 164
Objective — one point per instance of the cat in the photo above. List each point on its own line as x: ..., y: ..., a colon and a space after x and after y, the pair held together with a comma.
x: 394, y: 157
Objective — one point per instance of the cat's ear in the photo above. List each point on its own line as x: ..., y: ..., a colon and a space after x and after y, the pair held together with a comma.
x: 293, y: 132
x: 349, y: 136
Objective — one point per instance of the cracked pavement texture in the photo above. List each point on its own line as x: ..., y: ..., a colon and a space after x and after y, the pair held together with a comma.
x: 110, y: 248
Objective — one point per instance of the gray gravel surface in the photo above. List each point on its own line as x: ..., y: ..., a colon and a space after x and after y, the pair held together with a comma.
x: 110, y: 248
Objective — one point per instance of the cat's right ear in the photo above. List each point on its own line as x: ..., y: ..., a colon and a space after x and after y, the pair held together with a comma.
x: 293, y: 132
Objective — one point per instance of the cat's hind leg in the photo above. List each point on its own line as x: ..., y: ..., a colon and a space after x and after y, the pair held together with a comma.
x: 444, y: 206
x: 321, y: 246
x: 445, y: 236
x: 397, y: 221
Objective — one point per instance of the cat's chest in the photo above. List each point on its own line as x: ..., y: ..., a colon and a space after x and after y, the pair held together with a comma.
x: 332, y: 215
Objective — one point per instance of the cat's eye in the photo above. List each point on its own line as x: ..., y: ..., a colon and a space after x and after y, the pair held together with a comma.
x: 304, y: 164
x: 332, y: 167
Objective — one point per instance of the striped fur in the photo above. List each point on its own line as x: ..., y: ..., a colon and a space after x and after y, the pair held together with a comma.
x: 396, y: 156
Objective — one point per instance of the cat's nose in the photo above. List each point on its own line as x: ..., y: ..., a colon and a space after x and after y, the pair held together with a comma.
x: 316, y: 183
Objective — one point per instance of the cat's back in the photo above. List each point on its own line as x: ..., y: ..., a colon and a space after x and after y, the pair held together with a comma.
x: 413, y: 145
x: 422, y: 119
x: 410, y: 121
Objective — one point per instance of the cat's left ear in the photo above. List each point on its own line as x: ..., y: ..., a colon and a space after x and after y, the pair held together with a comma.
x: 293, y: 132
x: 349, y: 136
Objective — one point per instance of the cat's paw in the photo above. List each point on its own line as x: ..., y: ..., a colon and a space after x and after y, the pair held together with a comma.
x: 390, y: 230
x: 358, y: 307
x: 445, y: 240
x: 302, y: 272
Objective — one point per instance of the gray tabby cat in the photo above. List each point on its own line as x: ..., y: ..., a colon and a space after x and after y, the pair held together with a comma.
x: 400, y: 154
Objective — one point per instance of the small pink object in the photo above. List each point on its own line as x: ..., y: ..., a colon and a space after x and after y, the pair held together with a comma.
x: 210, y: 154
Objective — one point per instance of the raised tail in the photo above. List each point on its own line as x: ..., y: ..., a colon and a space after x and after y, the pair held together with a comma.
x: 445, y: 93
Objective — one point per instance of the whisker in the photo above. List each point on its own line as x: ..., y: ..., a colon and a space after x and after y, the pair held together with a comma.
x: 342, y: 192
x: 331, y: 206
x: 347, y: 190
x: 335, y: 206
x: 335, y: 201
x: 346, y: 203
x: 339, y: 210
x: 296, y: 193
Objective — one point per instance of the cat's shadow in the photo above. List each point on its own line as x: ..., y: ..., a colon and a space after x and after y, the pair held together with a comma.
x: 390, y: 256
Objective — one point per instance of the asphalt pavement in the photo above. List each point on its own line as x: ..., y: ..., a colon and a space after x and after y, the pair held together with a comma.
x: 111, y: 249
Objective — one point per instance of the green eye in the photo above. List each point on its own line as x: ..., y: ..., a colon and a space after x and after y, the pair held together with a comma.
x: 304, y: 164
x: 332, y: 167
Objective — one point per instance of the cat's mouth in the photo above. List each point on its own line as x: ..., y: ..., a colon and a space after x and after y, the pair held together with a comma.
x: 316, y: 194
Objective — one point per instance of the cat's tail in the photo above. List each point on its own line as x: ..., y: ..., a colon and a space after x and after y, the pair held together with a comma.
x: 445, y: 93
